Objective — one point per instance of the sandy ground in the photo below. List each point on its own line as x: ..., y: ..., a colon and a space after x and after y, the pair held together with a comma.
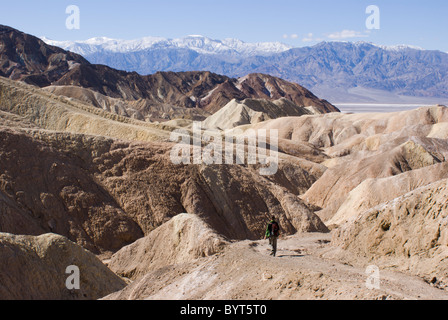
x: 301, y: 270
x: 311, y: 252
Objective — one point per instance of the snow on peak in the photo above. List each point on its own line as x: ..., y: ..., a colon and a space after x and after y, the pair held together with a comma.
x: 401, y: 47
x: 398, y: 47
x: 198, y: 43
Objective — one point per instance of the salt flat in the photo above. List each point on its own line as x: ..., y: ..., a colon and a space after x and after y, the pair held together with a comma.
x: 376, y: 107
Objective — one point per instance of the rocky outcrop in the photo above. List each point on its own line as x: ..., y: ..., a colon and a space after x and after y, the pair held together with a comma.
x: 375, y: 191
x: 136, y: 109
x: 263, y: 86
x: 37, y: 268
x: 409, y: 232
x: 201, y: 93
x: 345, y: 134
x: 337, y: 182
x: 95, y: 191
x: 57, y: 113
x: 46, y: 186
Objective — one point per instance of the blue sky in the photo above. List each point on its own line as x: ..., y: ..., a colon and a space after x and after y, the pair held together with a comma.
x: 296, y: 22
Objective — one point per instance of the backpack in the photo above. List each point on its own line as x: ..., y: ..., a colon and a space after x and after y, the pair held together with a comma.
x: 275, y: 229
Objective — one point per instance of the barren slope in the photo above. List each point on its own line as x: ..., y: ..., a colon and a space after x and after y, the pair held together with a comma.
x: 245, y: 271
x: 58, y: 113
x: 251, y: 111
x: 183, y: 239
x: 364, y: 146
x: 88, y: 183
x: 372, y: 192
x: 332, y: 189
x: 409, y: 232
x: 34, y: 268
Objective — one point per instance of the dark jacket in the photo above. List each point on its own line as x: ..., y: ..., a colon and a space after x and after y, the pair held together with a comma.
x: 269, y: 229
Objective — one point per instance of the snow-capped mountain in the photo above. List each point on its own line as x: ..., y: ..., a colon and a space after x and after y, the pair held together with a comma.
x: 398, y: 47
x: 336, y: 71
x: 197, y: 43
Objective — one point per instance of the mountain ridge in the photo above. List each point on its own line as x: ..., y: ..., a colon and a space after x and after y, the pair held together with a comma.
x: 199, y: 43
x: 335, y: 70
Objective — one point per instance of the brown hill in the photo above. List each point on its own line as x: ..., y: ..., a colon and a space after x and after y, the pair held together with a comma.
x: 45, y: 187
x: 27, y: 58
x: 63, y: 114
x: 128, y: 108
x: 203, y: 93
x: 34, y: 268
x: 343, y: 134
x: 262, y: 86
x: 332, y: 190
x: 94, y: 191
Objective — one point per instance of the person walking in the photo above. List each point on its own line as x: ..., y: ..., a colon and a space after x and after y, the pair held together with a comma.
x: 272, y: 233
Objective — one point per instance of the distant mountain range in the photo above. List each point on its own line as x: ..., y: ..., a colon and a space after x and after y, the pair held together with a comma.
x: 337, y: 71
x: 226, y: 48
x: 159, y: 96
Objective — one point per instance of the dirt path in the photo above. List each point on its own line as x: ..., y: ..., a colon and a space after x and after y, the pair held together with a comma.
x: 246, y: 271
x: 307, y: 252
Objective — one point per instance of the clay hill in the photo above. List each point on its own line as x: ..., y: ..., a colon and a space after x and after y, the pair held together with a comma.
x: 161, y: 96
x: 83, y: 185
x: 251, y: 111
x: 383, y: 194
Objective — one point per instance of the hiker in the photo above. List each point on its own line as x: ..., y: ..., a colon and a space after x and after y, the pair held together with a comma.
x: 273, y: 232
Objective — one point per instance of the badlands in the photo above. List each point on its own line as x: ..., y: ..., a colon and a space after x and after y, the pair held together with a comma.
x: 88, y: 187
x: 82, y: 186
